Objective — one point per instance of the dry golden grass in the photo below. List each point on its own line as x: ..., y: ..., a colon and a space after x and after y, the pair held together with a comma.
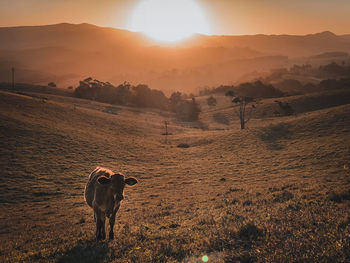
x: 275, y: 192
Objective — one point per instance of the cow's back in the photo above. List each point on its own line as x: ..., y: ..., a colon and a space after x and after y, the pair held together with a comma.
x: 91, y: 184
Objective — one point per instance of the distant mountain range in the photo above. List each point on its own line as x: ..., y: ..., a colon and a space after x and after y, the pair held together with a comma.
x: 65, y: 53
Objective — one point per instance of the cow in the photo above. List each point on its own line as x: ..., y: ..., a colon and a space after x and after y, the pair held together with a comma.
x: 104, y: 193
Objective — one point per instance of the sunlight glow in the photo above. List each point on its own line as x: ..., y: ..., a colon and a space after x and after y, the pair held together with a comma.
x: 169, y: 20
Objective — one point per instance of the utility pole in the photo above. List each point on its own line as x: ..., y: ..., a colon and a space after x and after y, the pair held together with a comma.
x: 166, y: 131
x: 13, y: 77
x: 166, y: 127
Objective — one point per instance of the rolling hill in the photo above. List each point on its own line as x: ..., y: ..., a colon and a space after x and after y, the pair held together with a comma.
x: 275, y: 192
x: 67, y: 53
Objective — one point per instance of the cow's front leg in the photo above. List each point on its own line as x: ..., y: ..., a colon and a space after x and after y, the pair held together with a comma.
x: 100, y: 225
x: 98, y: 229
x: 112, y: 221
x: 111, y: 224
x: 103, y: 227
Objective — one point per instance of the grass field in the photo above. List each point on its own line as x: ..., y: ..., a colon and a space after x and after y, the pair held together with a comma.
x: 278, y: 191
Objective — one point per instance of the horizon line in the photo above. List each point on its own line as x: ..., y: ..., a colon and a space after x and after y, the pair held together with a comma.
x: 198, y: 34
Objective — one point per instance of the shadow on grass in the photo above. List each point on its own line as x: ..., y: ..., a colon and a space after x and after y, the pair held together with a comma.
x: 86, y: 251
x: 272, y: 135
x: 221, y: 118
x: 339, y: 197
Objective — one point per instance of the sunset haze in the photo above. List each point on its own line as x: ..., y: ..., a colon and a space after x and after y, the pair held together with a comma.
x: 234, y: 17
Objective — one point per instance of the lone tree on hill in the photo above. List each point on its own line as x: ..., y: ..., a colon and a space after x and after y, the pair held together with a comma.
x: 242, y: 102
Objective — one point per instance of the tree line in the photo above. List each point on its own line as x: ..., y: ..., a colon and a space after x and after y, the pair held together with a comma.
x: 255, y: 89
x: 138, y: 96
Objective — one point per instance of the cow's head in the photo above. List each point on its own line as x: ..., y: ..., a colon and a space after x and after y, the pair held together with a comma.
x: 117, y: 183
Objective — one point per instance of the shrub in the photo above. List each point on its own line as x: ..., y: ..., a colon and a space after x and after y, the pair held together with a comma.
x: 183, y: 145
x: 211, y: 101
x: 188, y: 110
x: 52, y: 84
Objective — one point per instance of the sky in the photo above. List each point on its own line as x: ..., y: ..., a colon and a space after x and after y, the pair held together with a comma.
x: 226, y: 17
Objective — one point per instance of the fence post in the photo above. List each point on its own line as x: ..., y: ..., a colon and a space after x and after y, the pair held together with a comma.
x: 13, y: 77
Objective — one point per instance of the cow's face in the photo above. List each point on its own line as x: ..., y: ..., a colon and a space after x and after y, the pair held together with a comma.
x: 117, y: 184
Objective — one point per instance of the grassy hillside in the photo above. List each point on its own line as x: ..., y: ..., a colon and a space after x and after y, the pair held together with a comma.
x: 222, y: 115
x: 275, y: 192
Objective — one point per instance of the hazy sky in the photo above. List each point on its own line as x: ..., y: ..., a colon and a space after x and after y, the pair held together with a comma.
x: 224, y: 16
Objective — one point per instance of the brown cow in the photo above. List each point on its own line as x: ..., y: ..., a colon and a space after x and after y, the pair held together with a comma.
x: 104, y: 192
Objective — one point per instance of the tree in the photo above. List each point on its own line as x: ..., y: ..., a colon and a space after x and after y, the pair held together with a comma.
x: 141, y: 96
x: 211, y: 101
x: 123, y: 93
x: 188, y: 110
x: 175, y: 99
x: 159, y: 100
x: 242, y: 103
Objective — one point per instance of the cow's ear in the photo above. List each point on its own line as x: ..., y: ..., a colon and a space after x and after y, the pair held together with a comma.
x: 103, y: 180
x: 130, y: 181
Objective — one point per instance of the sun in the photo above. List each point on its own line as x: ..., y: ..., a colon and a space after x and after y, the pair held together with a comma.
x: 169, y: 20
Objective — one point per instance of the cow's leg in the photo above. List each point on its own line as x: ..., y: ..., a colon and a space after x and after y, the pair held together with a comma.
x: 112, y: 221
x: 98, y: 229
x: 103, y: 226
x: 111, y: 224
x: 99, y: 225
